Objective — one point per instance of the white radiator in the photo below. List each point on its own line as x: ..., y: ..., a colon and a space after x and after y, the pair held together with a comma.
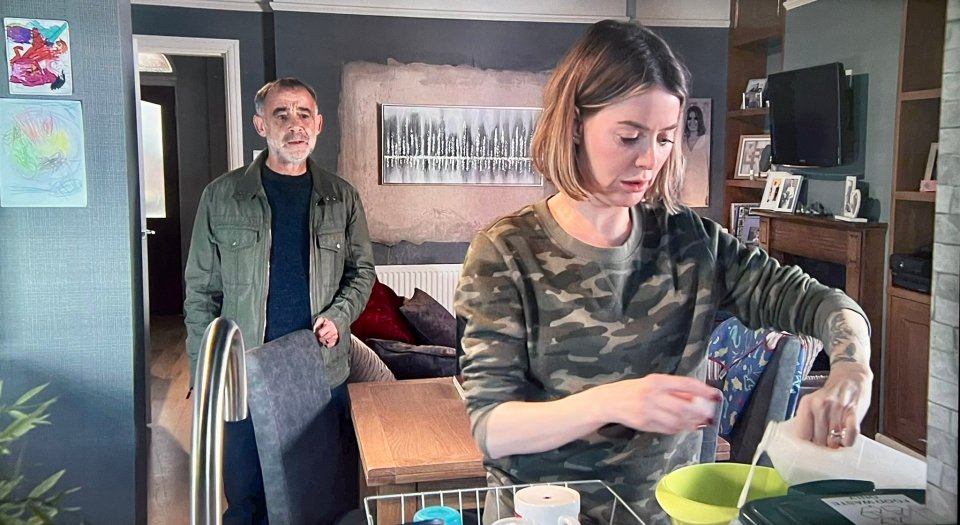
x: 438, y: 280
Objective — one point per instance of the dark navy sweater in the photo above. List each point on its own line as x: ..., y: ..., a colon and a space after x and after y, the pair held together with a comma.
x: 288, y: 298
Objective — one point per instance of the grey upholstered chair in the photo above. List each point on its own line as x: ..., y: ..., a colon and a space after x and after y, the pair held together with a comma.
x: 769, y: 401
x: 288, y: 392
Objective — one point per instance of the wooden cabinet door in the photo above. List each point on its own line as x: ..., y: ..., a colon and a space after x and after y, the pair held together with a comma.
x: 756, y: 14
x: 906, y: 375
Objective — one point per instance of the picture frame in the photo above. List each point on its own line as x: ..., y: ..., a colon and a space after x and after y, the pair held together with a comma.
x: 930, y: 172
x: 748, y: 156
x: 781, y: 192
x: 749, y: 231
x: 789, y: 192
x: 851, y: 197
x: 851, y: 201
x: 744, y: 224
x: 771, y: 192
x: 457, y: 145
x: 696, y: 148
x: 752, y: 96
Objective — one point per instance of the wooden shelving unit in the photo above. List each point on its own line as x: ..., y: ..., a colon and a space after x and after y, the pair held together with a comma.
x: 756, y: 34
x: 909, y: 295
x: 912, y: 219
x: 915, y: 196
x: 746, y: 183
x: 750, y: 113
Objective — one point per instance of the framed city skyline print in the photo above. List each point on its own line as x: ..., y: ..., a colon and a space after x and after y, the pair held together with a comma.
x: 468, y: 145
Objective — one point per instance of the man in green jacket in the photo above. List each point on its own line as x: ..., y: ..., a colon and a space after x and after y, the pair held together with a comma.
x: 278, y: 246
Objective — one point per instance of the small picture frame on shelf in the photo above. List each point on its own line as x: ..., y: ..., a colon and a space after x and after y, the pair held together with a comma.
x: 744, y: 225
x: 929, y: 182
x: 748, y: 156
x: 930, y: 173
x: 753, y: 96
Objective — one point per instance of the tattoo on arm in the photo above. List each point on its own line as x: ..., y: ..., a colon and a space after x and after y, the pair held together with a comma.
x: 844, y: 356
x: 843, y: 340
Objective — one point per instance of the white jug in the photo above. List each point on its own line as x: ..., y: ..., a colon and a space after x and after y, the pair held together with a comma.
x: 799, y: 461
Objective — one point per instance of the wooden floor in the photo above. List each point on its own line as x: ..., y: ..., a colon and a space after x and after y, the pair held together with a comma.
x: 169, y: 467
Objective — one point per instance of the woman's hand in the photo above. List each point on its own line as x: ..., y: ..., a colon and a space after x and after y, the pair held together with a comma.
x: 656, y: 403
x: 831, y: 416
x: 660, y: 403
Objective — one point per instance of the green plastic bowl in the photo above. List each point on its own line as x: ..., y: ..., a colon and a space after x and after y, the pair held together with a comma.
x: 707, y: 494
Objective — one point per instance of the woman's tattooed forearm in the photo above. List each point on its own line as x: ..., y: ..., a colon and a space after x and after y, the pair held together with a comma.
x: 844, y: 356
x: 843, y: 340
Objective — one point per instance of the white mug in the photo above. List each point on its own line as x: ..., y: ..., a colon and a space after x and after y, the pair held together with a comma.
x: 548, y: 505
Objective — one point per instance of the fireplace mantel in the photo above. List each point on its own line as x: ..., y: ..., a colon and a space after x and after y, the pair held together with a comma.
x: 859, y: 248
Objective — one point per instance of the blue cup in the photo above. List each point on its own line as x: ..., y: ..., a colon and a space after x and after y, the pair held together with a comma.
x: 448, y: 515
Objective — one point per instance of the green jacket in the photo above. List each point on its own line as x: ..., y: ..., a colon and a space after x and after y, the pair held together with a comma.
x: 228, y: 264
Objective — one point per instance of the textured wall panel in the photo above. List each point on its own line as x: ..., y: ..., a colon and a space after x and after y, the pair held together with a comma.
x: 67, y: 300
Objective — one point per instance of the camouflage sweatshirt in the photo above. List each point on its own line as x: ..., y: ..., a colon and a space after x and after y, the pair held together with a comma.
x: 549, y: 316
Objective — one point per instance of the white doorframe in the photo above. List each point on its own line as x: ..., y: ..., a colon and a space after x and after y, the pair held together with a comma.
x: 227, y: 49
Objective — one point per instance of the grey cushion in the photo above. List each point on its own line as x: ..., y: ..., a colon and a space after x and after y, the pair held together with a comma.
x: 432, y: 323
x: 288, y: 390
x: 408, y: 361
x: 365, y: 364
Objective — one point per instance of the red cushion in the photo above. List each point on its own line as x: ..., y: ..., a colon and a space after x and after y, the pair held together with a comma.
x: 381, y: 319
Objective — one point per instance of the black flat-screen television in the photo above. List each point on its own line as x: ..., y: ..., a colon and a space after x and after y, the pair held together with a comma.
x: 809, y: 116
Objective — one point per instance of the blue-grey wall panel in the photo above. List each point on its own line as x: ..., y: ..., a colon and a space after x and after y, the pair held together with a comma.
x: 315, y: 47
x: 69, y: 288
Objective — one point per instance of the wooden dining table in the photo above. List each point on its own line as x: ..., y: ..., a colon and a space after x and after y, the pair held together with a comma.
x: 414, y: 436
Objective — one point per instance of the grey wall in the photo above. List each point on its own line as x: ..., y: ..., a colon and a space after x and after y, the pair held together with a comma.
x: 340, y: 39
x: 256, y: 66
x: 942, y: 415
x: 524, y: 46
x: 70, y: 309
x: 865, y: 36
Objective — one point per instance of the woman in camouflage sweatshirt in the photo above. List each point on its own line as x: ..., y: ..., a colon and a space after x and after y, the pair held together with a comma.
x: 588, y: 313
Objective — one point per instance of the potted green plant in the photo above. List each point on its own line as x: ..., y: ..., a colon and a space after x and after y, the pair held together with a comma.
x: 19, y: 505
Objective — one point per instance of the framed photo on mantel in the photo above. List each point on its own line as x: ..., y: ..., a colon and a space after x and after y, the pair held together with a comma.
x: 781, y: 192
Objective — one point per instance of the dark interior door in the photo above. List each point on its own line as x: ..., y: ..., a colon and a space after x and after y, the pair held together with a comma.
x: 163, y: 247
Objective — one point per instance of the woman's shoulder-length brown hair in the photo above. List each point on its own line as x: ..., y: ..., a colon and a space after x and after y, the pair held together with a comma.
x: 611, y: 62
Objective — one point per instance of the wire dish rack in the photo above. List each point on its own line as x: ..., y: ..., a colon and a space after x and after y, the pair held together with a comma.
x: 473, y: 499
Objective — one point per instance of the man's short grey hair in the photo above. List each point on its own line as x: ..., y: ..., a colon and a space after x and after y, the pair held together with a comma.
x: 281, y: 84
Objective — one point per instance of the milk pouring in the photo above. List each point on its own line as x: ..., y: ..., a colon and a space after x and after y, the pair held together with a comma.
x: 800, y: 461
